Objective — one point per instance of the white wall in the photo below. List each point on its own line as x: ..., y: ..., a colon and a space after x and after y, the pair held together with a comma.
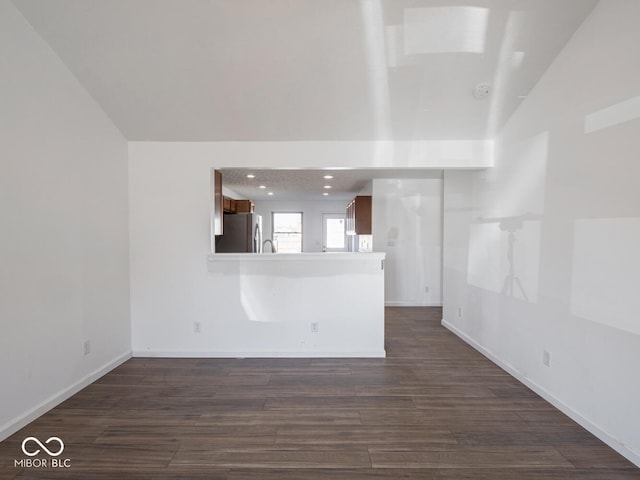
x: 311, y: 218
x: 541, y: 252
x: 407, y: 226
x: 324, y: 154
x: 170, y: 198
x: 264, y: 306
x: 63, y: 211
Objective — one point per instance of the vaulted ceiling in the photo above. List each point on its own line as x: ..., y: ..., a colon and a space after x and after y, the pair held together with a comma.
x: 285, y: 70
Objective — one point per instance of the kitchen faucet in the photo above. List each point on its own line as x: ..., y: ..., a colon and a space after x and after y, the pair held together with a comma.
x: 273, y: 248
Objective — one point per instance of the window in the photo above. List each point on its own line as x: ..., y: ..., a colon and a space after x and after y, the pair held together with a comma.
x: 287, y: 232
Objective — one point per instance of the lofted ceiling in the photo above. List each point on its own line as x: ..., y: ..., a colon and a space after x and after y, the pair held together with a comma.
x: 295, y: 70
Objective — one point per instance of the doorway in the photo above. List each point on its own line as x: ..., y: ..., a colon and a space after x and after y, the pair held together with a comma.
x: 333, y: 232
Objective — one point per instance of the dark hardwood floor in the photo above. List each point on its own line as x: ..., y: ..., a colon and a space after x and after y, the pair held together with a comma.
x: 433, y: 409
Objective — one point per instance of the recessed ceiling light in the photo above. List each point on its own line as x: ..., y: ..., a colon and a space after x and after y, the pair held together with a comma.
x: 325, y: 194
x: 269, y: 193
x: 251, y: 175
x: 262, y: 186
x: 327, y: 186
x: 328, y: 177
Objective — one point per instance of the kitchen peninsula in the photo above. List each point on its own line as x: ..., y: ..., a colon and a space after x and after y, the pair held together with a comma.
x: 301, y: 305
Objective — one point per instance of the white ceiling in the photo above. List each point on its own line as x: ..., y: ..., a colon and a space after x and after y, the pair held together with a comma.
x: 309, y: 184
x: 281, y: 70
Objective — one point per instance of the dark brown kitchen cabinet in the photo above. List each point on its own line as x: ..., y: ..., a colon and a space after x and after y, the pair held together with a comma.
x: 229, y: 204
x: 244, y: 206
x: 359, y: 216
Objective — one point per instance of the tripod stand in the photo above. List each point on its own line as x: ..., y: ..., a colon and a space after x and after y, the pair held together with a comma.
x: 511, y: 279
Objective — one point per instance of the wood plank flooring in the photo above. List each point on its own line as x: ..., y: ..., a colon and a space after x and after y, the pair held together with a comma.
x: 433, y: 409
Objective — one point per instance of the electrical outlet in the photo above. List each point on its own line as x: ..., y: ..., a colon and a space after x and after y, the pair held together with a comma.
x: 197, y: 327
x: 86, y: 347
x: 546, y: 358
x: 314, y: 327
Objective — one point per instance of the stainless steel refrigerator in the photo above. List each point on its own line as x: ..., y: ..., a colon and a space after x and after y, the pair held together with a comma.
x: 241, y: 232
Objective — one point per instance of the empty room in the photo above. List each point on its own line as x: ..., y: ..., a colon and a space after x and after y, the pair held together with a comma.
x: 310, y: 239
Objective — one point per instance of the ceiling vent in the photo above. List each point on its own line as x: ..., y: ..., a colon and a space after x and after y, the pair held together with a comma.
x: 481, y: 91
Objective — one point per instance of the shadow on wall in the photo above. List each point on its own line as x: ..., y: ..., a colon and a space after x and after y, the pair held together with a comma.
x: 504, y: 244
x: 505, y: 230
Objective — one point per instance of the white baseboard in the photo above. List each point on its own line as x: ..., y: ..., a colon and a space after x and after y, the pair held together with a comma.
x: 29, y: 416
x: 411, y: 304
x: 173, y: 354
x: 618, y: 446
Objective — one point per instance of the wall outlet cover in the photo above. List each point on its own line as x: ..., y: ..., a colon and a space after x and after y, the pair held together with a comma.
x: 546, y: 358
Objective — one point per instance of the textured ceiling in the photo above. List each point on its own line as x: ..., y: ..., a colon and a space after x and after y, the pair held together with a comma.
x: 309, y: 184
x: 283, y: 70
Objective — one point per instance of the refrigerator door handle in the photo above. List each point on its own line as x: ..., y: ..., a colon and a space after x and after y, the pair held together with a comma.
x: 257, y: 239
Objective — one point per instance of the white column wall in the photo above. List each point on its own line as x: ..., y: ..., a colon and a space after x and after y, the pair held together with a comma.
x: 407, y: 226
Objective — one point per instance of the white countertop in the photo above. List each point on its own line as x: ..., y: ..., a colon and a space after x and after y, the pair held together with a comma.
x: 296, y: 257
